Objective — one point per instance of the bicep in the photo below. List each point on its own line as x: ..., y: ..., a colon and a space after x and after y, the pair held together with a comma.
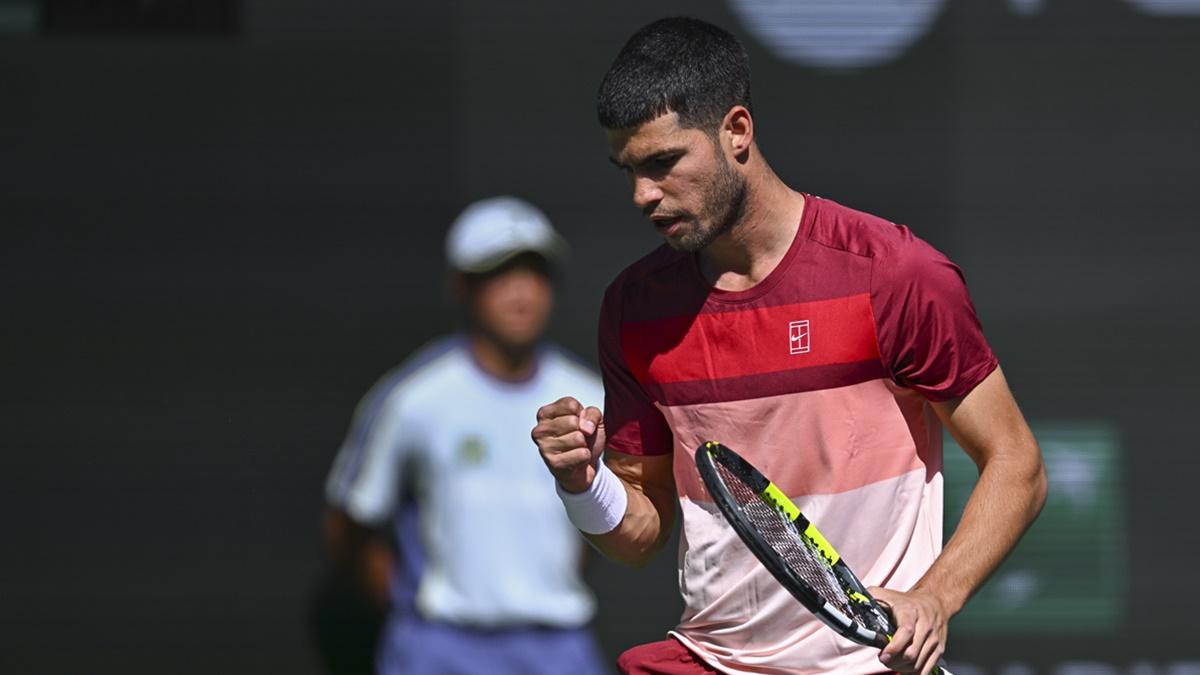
x: 651, y: 475
x: 344, y: 536
x: 650, y: 512
x: 988, y: 425
x: 646, y: 473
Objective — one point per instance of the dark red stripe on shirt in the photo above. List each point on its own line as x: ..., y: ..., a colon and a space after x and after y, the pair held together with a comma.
x: 725, y: 345
x: 767, y: 384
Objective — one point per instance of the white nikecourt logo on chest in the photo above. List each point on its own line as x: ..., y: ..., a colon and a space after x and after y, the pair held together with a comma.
x: 798, y: 337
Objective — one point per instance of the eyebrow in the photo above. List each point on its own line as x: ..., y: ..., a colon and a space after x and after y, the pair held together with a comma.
x: 665, y: 152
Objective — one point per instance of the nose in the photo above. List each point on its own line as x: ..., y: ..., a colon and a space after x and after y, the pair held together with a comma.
x: 522, y: 284
x: 646, y: 192
x: 516, y: 282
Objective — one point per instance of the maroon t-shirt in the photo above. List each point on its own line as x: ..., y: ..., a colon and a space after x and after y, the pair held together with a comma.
x: 889, y: 305
x: 821, y: 376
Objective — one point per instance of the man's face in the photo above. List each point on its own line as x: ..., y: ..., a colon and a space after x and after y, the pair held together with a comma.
x: 512, y: 305
x: 680, y: 179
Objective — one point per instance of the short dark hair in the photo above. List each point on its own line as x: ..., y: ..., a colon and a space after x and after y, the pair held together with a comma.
x: 682, y: 65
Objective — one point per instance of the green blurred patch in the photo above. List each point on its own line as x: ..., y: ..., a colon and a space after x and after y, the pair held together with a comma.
x: 1067, y: 575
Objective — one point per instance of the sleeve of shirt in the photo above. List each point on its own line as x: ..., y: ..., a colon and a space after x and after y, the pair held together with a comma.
x: 633, y: 424
x: 365, y: 476
x: 930, y: 337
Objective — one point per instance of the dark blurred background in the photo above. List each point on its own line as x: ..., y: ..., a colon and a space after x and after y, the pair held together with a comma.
x: 222, y: 221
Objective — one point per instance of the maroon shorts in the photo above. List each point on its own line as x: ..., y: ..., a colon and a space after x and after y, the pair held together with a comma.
x: 667, y: 657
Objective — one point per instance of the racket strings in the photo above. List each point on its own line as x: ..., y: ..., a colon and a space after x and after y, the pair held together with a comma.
x: 796, y: 552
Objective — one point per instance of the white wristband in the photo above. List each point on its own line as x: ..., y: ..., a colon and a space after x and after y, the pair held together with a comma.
x: 600, y: 508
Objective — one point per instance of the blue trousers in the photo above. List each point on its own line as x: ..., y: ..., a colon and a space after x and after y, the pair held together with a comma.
x: 413, y: 646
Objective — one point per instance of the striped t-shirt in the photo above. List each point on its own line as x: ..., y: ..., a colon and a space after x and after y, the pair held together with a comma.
x: 820, y: 375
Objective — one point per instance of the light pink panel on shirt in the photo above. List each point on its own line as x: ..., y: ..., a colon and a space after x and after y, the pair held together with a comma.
x: 816, y: 442
x: 863, y: 462
x: 736, y: 613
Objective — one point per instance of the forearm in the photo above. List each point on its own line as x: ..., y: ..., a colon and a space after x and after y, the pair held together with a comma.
x: 375, y: 572
x: 361, y: 554
x: 1007, y: 498
x: 623, y: 503
x: 649, y: 517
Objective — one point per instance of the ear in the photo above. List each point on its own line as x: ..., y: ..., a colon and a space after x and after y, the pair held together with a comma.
x: 457, y: 290
x: 737, y: 130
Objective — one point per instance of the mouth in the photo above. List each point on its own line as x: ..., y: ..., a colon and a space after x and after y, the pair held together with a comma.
x: 666, y: 225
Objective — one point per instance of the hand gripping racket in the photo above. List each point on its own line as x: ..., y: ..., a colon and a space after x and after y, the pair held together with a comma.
x: 792, y: 548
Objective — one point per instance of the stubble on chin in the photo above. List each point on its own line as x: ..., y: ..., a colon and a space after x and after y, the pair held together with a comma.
x: 723, y: 205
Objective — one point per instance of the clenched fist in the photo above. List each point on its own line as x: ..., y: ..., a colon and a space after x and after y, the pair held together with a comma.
x: 570, y: 439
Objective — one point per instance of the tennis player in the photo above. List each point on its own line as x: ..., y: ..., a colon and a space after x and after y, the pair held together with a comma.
x: 828, y: 346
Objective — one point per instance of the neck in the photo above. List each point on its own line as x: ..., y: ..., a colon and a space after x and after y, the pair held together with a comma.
x: 754, y: 246
x: 504, y: 362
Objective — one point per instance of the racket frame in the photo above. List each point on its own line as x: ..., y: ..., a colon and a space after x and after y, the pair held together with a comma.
x: 706, y: 457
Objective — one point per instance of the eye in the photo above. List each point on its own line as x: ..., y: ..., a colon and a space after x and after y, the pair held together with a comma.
x: 665, y: 162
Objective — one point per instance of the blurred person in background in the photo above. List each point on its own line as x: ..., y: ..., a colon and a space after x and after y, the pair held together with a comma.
x: 434, y: 501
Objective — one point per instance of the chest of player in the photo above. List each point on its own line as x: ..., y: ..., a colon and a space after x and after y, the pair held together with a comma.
x: 736, y: 353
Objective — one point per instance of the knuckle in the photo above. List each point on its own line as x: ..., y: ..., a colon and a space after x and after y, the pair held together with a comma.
x: 552, y: 427
x: 546, y: 436
x: 566, y: 459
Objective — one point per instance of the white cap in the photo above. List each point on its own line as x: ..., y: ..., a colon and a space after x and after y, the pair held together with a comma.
x: 492, y: 231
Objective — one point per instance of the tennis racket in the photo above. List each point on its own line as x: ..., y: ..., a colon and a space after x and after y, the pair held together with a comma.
x: 792, y: 548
